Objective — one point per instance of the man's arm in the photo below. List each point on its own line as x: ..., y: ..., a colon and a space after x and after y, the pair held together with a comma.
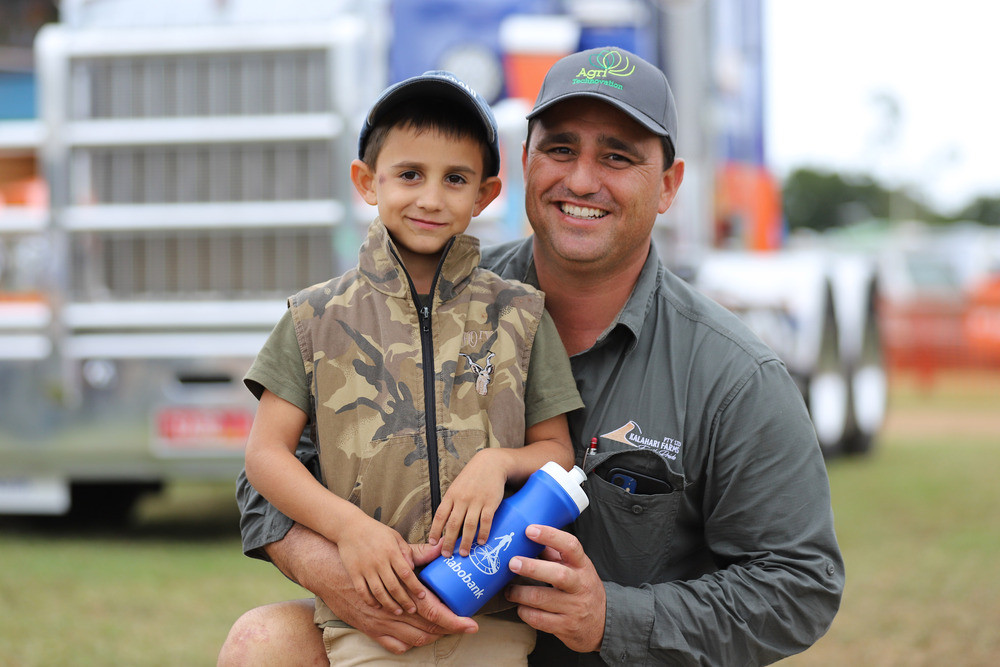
x: 769, y: 526
x: 313, y: 562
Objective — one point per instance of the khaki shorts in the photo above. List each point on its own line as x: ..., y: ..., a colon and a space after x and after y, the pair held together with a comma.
x: 499, y: 642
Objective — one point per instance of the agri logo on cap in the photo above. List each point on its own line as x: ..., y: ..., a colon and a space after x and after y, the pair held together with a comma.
x: 609, y: 62
x: 600, y: 73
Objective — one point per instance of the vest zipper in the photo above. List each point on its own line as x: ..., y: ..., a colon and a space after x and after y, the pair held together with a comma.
x: 430, y: 411
x: 427, y: 357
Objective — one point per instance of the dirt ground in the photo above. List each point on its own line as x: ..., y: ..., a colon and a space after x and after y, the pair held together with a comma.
x: 953, y: 403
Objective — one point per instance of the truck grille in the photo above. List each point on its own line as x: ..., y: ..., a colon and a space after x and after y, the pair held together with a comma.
x: 194, y: 264
x: 221, y: 255
x: 205, y: 173
x: 191, y: 85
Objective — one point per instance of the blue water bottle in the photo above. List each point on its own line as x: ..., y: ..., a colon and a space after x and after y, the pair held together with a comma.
x: 551, y: 496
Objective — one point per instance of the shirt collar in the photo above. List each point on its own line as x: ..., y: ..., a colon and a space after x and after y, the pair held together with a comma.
x: 379, y: 262
x: 634, y: 315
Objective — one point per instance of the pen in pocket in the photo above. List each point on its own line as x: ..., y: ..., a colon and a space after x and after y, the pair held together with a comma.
x: 590, y: 450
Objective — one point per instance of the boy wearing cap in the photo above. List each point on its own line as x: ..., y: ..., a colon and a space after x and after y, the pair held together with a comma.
x: 418, y: 373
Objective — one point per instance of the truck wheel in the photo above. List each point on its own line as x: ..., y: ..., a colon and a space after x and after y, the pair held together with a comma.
x: 868, y: 388
x: 826, y: 391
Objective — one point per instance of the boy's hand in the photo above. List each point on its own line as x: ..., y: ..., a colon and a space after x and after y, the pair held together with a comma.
x: 471, y: 501
x: 380, y: 565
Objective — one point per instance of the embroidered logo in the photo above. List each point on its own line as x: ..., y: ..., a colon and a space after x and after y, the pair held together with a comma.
x: 631, y: 434
x: 484, y: 375
x: 606, y: 63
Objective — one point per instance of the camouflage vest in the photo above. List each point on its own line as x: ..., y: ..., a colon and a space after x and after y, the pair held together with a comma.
x: 361, y: 342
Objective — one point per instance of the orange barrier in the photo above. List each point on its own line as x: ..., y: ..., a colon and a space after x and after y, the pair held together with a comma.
x: 982, y: 322
x: 748, y: 207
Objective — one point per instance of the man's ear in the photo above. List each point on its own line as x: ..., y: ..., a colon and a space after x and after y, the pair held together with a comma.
x: 488, y: 191
x: 671, y: 183
x: 364, y: 181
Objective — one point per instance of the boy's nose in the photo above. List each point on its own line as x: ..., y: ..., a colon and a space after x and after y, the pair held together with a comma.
x: 431, y: 197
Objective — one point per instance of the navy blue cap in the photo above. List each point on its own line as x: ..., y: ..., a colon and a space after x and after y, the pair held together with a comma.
x: 438, y: 83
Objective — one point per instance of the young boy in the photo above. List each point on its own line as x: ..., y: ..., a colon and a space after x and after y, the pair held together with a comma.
x: 418, y: 373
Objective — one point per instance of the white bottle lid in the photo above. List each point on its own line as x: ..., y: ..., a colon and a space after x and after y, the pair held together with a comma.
x: 570, y: 482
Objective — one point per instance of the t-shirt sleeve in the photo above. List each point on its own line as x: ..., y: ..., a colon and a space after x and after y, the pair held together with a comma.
x: 550, y: 389
x: 279, y: 368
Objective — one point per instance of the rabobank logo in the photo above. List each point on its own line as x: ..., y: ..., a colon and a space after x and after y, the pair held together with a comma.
x: 631, y: 434
x: 486, y: 557
x: 605, y: 66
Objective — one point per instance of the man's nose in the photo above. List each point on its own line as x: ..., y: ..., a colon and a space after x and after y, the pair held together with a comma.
x: 583, y: 177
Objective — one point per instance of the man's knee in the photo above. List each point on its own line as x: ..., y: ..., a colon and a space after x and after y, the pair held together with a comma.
x: 275, y: 634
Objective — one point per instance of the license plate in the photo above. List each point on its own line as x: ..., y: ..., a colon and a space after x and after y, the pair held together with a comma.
x: 202, y: 430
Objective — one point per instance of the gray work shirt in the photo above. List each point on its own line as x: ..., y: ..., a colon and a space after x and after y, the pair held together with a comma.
x: 725, y: 553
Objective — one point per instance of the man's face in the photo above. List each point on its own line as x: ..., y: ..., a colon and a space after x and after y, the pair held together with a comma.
x: 594, y: 183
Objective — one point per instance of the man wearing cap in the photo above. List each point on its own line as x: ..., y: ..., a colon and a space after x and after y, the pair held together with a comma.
x: 709, y: 537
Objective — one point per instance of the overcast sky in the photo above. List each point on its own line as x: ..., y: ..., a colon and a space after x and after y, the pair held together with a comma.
x: 905, y: 89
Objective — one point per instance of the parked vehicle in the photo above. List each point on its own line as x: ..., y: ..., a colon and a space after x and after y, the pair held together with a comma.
x: 192, y: 172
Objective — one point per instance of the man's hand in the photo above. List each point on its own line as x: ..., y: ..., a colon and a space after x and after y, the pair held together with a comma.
x: 574, y: 608
x: 314, y: 563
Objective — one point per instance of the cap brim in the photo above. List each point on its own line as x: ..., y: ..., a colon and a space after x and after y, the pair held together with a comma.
x: 628, y: 110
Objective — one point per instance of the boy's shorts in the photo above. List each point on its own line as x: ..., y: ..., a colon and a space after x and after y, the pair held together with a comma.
x: 500, y: 641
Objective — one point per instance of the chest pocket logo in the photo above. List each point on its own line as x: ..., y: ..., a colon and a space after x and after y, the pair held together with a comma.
x: 484, y: 374
x: 631, y: 434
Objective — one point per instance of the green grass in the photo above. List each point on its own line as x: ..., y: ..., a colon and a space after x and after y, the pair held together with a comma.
x: 918, y: 523
x: 163, y: 591
x: 919, y: 531
x: 919, y: 527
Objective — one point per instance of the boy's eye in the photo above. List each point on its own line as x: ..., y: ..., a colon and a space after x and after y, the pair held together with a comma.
x: 455, y: 179
x: 409, y: 175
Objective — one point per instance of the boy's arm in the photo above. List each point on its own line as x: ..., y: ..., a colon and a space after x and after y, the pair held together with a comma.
x: 546, y: 441
x: 273, y: 469
x: 476, y: 493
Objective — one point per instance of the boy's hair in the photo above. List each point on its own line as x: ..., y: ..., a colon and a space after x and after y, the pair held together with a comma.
x: 428, y: 113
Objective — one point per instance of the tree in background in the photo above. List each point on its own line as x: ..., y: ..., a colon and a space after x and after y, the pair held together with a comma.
x: 820, y: 200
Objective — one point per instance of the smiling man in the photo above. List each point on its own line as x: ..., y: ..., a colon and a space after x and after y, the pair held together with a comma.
x: 709, y: 537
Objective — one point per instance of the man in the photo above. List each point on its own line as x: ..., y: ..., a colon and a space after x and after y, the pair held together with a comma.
x: 724, y: 551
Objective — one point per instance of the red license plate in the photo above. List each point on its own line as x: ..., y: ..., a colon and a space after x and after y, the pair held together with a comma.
x: 190, y: 430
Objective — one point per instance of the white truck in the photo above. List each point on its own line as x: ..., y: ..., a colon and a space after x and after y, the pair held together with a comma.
x: 195, y: 155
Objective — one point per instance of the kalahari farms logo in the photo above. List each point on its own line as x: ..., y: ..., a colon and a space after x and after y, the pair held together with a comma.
x: 631, y: 434
x: 604, y: 64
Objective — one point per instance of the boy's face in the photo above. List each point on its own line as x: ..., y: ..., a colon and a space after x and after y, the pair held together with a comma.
x: 428, y: 186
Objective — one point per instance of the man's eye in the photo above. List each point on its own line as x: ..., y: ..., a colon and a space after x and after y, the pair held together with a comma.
x: 619, y: 160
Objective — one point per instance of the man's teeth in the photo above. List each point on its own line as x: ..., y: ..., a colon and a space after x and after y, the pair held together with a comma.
x: 583, y: 211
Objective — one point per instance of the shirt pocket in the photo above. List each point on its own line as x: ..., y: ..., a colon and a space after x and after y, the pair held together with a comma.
x: 628, y: 536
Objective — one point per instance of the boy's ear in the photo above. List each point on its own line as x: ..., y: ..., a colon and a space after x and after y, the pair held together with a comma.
x: 488, y: 191
x: 364, y: 181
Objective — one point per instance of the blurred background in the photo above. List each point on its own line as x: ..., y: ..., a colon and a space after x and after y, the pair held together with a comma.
x: 171, y: 171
